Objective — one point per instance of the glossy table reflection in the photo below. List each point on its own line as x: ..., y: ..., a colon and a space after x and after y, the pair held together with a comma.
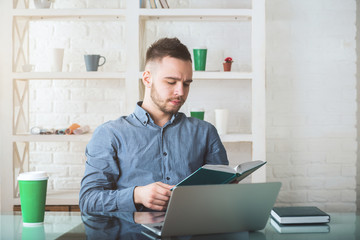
x: 60, y: 225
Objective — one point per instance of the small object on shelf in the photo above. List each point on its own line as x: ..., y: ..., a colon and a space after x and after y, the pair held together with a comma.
x: 197, y: 113
x: 200, y: 58
x: 221, y: 120
x: 46, y: 131
x: 70, y: 130
x: 60, y: 131
x: 82, y: 130
x: 57, y: 59
x: 35, y: 130
x: 43, y: 3
x: 227, y: 64
x: 28, y: 67
x: 92, y: 62
x: 299, y: 215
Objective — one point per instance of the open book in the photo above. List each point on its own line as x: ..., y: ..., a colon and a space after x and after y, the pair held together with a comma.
x: 220, y: 174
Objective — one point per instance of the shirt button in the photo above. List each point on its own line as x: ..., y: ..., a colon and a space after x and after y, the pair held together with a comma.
x: 164, y: 153
x: 144, y: 122
x: 167, y: 178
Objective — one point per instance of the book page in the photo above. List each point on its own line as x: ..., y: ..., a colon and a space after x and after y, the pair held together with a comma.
x: 221, y: 168
x: 244, y: 167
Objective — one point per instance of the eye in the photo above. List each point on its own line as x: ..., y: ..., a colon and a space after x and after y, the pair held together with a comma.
x: 171, y: 83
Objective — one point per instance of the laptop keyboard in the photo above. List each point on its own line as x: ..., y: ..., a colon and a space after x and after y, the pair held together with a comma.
x: 158, y: 227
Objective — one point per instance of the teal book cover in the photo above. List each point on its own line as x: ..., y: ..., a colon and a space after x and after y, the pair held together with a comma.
x: 220, y: 174
x: 204, y: 176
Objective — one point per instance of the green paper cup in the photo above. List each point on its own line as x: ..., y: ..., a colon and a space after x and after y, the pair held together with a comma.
x: 32, y: 186
x: 199, y: 58
x: 197, y: 113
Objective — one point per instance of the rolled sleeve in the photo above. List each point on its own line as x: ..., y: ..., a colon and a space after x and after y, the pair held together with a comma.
x: 99, y: 191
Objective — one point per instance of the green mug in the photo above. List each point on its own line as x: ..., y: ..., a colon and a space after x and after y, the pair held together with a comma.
x: 32, y: 186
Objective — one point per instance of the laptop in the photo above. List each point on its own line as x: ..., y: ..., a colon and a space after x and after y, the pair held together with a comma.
x: 209, y: 209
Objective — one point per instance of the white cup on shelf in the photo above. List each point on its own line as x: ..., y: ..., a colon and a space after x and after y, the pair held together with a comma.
x: 43, y: 3
x: 57, y: 59
x: 221, y: 120
x: 28, y: 67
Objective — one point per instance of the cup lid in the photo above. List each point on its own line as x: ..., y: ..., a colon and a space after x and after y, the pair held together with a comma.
x: 36, y: 175
x: 200, y: 47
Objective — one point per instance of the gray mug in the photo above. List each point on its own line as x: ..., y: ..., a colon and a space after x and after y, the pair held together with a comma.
x: 92, y: 62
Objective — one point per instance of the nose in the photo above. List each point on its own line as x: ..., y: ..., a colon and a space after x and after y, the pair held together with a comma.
x: 179, y: 90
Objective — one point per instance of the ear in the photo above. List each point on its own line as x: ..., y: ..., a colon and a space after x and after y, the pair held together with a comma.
x: 146, y: 79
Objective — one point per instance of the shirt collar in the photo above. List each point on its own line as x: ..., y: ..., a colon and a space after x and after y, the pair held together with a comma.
x: 144, y: 117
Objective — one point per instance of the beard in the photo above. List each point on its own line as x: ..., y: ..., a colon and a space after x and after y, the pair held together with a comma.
x: 164, y: 104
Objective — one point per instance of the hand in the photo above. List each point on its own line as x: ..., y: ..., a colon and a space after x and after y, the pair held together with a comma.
x: 154, y: 196
x: 148, y: 217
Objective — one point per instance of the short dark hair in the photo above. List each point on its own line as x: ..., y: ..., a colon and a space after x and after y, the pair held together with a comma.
x: 167, y: 47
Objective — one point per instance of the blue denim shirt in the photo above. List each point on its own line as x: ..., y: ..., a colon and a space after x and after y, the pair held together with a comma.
x: 133, y: 151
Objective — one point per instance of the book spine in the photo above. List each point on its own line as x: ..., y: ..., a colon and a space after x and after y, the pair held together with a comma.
x: 164, y: 4
x: 152, y: 3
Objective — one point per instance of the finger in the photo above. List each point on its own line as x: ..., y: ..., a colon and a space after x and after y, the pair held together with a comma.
x: 163, y: 190
x: 158, y: 205
x: 161, y: 195
x: 164, y: 185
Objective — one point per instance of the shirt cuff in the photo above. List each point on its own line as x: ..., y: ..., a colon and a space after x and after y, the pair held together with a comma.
x: 125, y: 200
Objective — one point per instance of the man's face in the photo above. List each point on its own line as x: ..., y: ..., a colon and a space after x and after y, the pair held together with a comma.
x: 171, y: 78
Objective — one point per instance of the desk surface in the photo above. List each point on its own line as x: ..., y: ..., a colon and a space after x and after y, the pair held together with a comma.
x: 60, y: 225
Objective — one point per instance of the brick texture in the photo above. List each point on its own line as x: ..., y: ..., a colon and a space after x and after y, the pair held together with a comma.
x: 311, y: 90
x: 311, y: 99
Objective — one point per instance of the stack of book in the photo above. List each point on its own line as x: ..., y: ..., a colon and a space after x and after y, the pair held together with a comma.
x: 299, y: 220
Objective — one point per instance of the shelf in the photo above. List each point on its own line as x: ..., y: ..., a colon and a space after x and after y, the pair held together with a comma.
x: 208, y: 75
x: 218, y: 13
x: 121, y: 75
x: 51, y: 138
x: 221, y: 75
x: 54, y: 13
x: 58, y: 198
x: 69, y: 75
x: 235, y: 137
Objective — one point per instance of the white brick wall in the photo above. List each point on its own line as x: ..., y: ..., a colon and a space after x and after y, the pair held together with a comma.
x: 311, y: 102
x: 58, y: 103
x: 311, y: 108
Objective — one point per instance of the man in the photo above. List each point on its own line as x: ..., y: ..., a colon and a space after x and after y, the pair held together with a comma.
x: 134, y: 161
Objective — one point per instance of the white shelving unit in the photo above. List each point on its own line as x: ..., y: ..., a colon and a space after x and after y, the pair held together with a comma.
x: 15, y: 103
